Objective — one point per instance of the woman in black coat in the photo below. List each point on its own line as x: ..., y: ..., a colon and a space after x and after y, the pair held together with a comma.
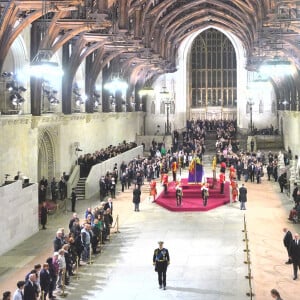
x: 136, y: 198
x: 44, y: 215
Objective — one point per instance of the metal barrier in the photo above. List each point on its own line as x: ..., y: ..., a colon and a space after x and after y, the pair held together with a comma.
x: 248, y: 261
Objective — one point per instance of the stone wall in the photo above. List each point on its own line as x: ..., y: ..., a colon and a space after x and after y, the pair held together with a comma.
x: 19, y: 215
x: 28, y: 142
x: 289, y: 127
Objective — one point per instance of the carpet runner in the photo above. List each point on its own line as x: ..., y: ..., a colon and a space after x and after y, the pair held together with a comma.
x: 192, y: 199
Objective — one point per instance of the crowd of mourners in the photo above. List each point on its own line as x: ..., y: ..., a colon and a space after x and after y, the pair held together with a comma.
x: 72, y: 248
x: 86, y: 161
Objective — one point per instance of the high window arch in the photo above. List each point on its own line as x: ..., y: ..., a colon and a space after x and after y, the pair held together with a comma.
x: 213, y: 70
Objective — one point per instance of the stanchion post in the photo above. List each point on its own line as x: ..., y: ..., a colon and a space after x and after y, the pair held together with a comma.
x: 63, y: 294
x: 101, y: 239
x: 248, y: 261
x: 117, y: 224
x: 90, y: 260
x: 77, y: 267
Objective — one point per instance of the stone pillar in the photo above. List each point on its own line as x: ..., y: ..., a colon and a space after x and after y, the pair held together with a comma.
x: 137, y: 24
x: 89, y: 104
x: 102, y: 4
x: 35, y: 83
x: 156, y: 39
x: 147, y: 38
x: 67, y: 85
x: 123, y: 14
x: 105, y: 93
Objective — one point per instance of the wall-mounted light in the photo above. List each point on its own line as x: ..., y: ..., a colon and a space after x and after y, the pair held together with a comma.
x: 50, y: 93
x: 116, y: 84
x: 14, y: 88
x: 146, y: 91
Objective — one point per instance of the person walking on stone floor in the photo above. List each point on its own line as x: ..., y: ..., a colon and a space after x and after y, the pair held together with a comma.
x: 73, y: 199
x: 136, y: 198
x: 287, y: 239
x: 243, y: 196
x: 161, y: 261
x: 295, y: 254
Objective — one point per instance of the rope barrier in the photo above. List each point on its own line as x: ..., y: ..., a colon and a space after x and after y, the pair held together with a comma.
x: 248, y: 260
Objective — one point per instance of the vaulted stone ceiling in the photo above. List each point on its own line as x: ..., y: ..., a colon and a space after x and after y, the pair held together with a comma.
x: 144, y: 35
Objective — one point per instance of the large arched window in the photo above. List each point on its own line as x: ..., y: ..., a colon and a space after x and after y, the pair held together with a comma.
x: 213, y: 70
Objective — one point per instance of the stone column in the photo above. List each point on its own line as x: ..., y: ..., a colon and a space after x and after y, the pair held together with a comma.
x: 102, y: 4
x: 137, y: 24
x: 147, y: 38
x: 123, y: 14
x: 67, y: 86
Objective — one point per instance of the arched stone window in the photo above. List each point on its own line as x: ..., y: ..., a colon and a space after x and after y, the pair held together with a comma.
x: 213, y: 68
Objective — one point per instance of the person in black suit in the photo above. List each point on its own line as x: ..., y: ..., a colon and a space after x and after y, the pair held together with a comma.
x: 295, y: 254
x: 30, y: 289
x: 45, y: 281
x: 109, y: 204
x: 243, y: 196
x: 44, y: 215
x: 252, y: 169
x: 287, y: 239
x: 73, y: 199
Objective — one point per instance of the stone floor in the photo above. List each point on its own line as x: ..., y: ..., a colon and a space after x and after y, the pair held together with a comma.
x: 206, y: 249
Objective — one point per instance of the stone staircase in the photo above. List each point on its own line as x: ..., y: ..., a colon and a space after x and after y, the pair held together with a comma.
x: 80, y: 188
x: 210, y: 141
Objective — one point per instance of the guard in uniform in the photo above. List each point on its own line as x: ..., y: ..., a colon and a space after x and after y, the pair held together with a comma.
x: 179, y: 194
x: 161, y: 260
x: 165, y: 182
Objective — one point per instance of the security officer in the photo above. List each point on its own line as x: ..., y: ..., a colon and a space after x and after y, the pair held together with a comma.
x: 161, y: 260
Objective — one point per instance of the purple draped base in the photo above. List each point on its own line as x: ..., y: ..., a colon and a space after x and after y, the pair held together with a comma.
x: 196, y: 177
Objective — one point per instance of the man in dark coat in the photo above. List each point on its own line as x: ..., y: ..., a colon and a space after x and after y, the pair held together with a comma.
x: 287, y: 239
x: 136, y: 198
x: 243, y: 196
x: 45, y: 281
x: 295, y: 254
x: 30, y: 288
x: 108, y: 221
x: 109, y: 204
x: 73, y: 199
x: 44, y: 215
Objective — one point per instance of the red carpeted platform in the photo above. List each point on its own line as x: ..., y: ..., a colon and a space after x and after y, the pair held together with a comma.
x: 192, y: 199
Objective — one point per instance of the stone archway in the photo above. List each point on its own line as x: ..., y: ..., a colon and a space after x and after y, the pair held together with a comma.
x: 46, y: 156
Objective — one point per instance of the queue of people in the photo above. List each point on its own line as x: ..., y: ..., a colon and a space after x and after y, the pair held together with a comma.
x: 86, y: 161
x: 71, y: 249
